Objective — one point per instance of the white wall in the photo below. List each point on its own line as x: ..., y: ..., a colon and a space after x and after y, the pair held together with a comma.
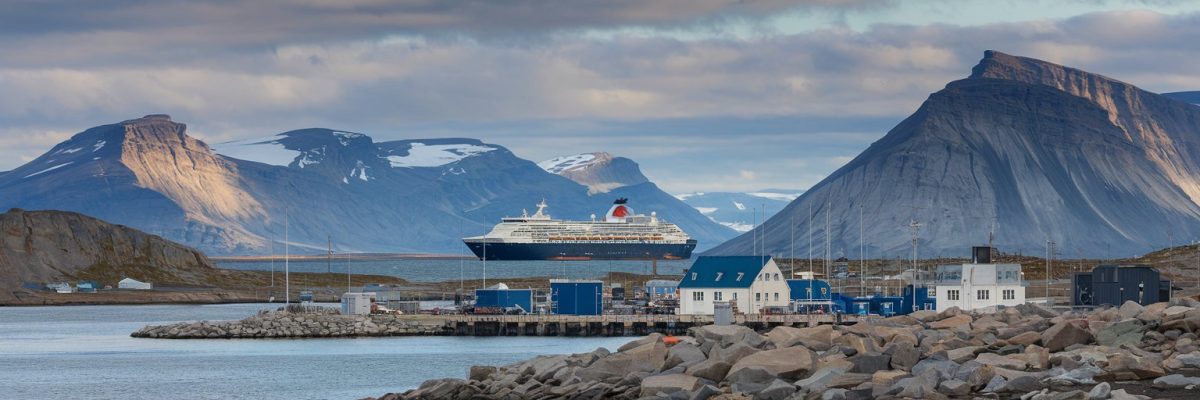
x: 977, y: 277
x: 775, y: 283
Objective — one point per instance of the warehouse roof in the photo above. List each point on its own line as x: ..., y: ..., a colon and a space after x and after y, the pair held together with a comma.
x: 723, y: 272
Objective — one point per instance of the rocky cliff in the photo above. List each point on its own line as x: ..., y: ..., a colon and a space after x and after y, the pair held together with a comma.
x: 1038, y: 150
x: 40, y: 247
x: 417, y: 195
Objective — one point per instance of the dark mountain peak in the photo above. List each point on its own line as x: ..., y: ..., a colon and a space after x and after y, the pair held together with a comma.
x: 1077, y: 82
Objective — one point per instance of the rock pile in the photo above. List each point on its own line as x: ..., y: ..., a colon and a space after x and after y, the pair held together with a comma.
x: 314, y: 322
x: 1026, y: 352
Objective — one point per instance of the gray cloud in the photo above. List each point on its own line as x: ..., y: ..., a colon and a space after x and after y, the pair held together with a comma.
x: 693, y: 112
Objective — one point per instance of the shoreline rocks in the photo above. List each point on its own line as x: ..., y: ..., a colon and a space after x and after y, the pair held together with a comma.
x: 313, y: 322
x: 1026, y: 352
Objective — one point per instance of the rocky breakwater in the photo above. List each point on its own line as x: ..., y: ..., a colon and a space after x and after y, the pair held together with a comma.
x: 310, y: 323
x: 1026, y: 352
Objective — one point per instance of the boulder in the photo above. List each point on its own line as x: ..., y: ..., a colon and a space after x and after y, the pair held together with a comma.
x: 945, y: 369
x: 1064, y: 334
x: 1125, y: 332
x: 684, y: 355
x: 834, y: 394
x: 1084, y: 374
x: 713, y: 370
x: 651, y: 338
x: 975, y: 374
x: 858, y: 343
x: 820, y: 379
x: 749, y: 380
x: 868, y: 363
x: 997, y: 360
x: 649, y: 357
x: 848, y: 380
x: 954, y: 387
x: 918, y: 386
x: 705, y: 392
x: 777, y: 390
x: 480, y: 372
x: 819, y: 338
x: 1131, y: 309
x: 1181, y: 361
x: 1025, y: 338
x: 960, y: 320
x: 730, y: 355
x: 1153, y: 312
x: 1023, y: 384
x: 1127, y: 367
x: 669, y: 384
x: 1175, y: 381
x: 995, y: 384
x: 1099, y: 392
x: 787, y: 363
x: 904, y: 357
x: 725, y: 335
x: 963, y: 354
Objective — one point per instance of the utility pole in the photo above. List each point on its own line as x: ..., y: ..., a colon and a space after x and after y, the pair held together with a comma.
x: 862, y: 261
x: 329, y: 254
x: 763, y: 258
x: 916, y: 233
x: 287, y: 282
x: 753, y: 231
x: 1049, y: 256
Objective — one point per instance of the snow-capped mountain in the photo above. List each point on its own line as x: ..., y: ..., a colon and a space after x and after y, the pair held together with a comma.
x: 418, y: 195
x: 1038, y: 150
x: 601, y: 172
x: 740, y: 211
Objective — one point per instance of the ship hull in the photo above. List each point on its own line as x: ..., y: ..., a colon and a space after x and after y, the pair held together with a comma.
x: 582, y: 251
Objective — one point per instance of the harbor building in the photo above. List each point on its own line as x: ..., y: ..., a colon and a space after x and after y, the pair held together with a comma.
x: 577, y: 297
x: 1115, y: 284
x: 749, y: 283
x: 979, y: 284
x: 499, y: 298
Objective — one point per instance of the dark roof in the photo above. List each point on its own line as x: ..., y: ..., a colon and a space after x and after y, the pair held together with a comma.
x: 704, y: 272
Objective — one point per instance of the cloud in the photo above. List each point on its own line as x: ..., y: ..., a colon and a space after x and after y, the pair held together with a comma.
x: 689, y: 109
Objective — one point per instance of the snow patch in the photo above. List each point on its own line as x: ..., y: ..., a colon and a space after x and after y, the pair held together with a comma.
x: 775, y: 196
x: 738, y: 226
x: 740, y: 206
x: 436, y: 155
x: 266, y: 150
x: 69, y: 151
x: 49, y: 169
x: 311, y: 157
x: 685, y: 196
x: 99, y: 145
x: 558, y: 165
x: 346, y: 181
x: 345, y: 137
x: 360, y: 172
x: 706, y: 210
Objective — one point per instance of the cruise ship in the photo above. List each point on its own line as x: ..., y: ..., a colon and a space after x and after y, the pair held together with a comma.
x: 620, y: 235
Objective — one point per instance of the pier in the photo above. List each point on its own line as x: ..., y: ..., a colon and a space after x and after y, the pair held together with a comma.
x: 282, y: 324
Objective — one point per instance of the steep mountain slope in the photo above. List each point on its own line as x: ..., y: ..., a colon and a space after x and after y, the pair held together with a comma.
x: 39, y: 247
x: 1042, y: 150
x: 608, y: 177
x: 740, y: 211
x: 1190, y: 97
x: 418, y: 195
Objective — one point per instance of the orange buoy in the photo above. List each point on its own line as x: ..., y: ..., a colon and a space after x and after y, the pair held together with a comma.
x: 670, y: 340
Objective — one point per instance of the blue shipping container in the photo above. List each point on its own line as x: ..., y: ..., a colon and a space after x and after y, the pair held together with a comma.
x: 577, y: 298
x: 505, y: 298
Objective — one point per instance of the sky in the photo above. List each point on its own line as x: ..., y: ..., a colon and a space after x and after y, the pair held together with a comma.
x: 706, y: 95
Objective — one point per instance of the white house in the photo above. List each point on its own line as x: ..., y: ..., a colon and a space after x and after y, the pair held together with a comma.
x: 980, y: 284
x: 750, y: 282
x: 130, y: 283
x: 357, y: 303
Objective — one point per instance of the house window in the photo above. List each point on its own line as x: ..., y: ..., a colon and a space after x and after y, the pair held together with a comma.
x: 982, y: 295
x: 758, y: 297
x: 776, y: 296
x: 719, y: 275
x: 740, y: 276
x: 1010, y: 294
x: 776, y: 276
x: 716, y: 296
x: 698, y: 296
x: 734, y: 296
x: 952, y: 295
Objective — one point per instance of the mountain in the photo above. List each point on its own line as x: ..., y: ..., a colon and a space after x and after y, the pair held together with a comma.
x: 41, y: 247
x: 1040, y: 151
x: 608, y: 177
x: 1190, y: 97
x: 418, y: 195
x: 738, y: 210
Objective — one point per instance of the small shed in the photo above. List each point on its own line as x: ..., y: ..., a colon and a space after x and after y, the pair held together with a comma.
x: 657, y: 288
x: 357, y: 303
x: 1116, y: 284
x: 577, y: 297
x: 130, y: 283
x: 500, y: 296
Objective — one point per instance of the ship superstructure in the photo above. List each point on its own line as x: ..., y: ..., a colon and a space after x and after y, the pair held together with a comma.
x: 620, y: 235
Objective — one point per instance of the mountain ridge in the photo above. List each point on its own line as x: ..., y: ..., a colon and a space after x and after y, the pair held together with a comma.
x: 1049, y: 152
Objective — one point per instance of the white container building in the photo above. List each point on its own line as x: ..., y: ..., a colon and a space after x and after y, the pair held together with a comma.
x: 357, y: 303
x: 980, y: 284
x: 130, y: 283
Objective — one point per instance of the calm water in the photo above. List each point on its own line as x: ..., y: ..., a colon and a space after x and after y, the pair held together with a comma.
x: 447, y: 270
x: 86, y: 352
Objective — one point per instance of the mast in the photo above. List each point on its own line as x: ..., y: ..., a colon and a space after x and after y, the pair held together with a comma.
x: 287, y: 282
x: 329, y: 254
x: 862, y: 261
